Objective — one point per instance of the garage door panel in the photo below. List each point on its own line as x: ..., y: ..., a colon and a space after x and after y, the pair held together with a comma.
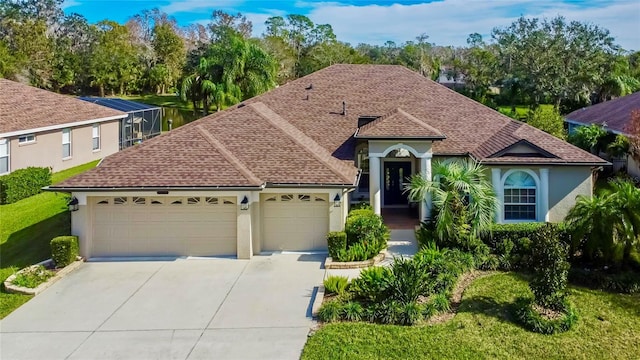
x: 162, y: 227
x: 296, y: 224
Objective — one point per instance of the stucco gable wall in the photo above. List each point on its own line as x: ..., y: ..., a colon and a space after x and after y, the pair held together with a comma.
x: 565, y: 184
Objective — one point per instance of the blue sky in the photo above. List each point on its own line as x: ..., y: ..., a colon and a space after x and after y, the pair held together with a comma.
x: 447, y: 22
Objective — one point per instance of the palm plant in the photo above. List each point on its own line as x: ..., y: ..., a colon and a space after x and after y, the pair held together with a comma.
x: 608, y: 220
x: 461, y: 194
x: 588, y: 137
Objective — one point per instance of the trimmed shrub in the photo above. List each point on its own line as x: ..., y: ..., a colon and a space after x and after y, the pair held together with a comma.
x: 23, y: 183
x: 551, y: 268
x: 532, y: 320
x: 64, y: 250
x: 336, y: 241
x: 331, y: 311
x: 366, y: 236
x: 336, y: 284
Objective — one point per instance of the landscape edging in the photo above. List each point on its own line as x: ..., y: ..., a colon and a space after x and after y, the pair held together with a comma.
x: 15, y: 289
x: 330, y: 264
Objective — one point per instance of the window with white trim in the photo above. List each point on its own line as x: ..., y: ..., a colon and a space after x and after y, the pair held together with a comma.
x: 520, y: 197
x: 66, y: 143
x: 4, y: 156
x: 95, y: 131
x: 25, y: 139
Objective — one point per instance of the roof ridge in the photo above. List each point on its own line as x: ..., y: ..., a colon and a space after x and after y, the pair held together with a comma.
x: 228, y: 155
x: 418, y: 121
x: 304, y: 141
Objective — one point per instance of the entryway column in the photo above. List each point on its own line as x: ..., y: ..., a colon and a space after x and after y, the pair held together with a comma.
x: 544, y: 194
x: 374, y: 183
x: 497, y: 188
x: 425, y: 171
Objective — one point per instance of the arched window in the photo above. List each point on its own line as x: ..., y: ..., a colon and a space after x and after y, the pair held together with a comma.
x: 520, y: 197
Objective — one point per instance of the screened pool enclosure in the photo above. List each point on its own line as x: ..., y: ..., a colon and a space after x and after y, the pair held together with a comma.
x: 144, y: 121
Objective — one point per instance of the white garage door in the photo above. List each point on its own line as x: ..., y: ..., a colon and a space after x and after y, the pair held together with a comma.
x: 156, y: 226
x: 295, y: 222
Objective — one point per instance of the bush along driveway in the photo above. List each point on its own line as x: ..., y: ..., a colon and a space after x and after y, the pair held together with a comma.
x: 27, y: 228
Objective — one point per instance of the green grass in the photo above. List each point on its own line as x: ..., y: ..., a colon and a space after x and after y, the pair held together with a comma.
x: 168, y: 100
x: 521, y: 111
x: 27, y: 228
x: 608, y: 328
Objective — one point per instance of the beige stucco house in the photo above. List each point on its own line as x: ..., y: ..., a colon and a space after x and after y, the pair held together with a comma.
x: 42, y: 128
x: 279, y: 171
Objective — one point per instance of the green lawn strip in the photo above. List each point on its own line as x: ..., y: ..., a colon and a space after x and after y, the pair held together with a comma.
x: 608, y: 328
x: 521, y: 111
x: 27, y: 228
x: 168, y: 100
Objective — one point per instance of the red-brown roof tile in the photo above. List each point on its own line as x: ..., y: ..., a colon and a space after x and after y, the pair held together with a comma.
x: 24, y: 107
x: 298, y: 133
x: 398, y: 124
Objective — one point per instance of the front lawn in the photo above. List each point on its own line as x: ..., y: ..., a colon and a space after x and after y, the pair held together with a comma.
x: 608, y: 328
x: 27, y: 228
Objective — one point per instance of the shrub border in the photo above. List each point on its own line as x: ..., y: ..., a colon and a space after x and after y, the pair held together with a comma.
x: 330, y: 264
x: 15, y: 289
x: 528, y: 317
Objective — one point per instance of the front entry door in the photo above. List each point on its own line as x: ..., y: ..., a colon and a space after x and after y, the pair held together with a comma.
x: 395, y: 176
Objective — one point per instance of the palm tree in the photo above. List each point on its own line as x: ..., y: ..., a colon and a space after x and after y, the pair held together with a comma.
x: 627, y: 200
x: 607, y: 220
x: 461, y: 194
x: 592, y: 222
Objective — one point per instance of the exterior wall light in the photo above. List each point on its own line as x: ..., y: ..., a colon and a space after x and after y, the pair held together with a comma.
x: 73, y: 204
x: 336, y: 201
x: 244, y: 204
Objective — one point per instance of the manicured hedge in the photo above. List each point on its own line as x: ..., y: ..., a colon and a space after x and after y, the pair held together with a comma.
x: 64, y: 250
x: 23, y: 183
x: 336, y: 241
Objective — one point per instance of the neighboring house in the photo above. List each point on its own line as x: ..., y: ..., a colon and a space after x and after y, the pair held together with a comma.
x: 42, y: 128
x: 142, y: 123
x: 614, y: 115
x: 279, y: 171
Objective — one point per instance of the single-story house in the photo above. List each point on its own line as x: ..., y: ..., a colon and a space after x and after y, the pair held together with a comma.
x: 143, y: 121
x: 278, y: 171
x: 42, y: 128
x: 614, y: 116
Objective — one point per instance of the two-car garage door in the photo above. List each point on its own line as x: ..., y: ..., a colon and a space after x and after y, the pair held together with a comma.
x: 156, y: 226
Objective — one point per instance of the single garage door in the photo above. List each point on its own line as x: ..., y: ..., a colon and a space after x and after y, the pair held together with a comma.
x: 295, y: 222
x: 157, y: 226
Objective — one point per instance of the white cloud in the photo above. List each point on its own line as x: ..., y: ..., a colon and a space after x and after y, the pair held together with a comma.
x: 178, y: 6
x: 449, y: 22
x: 69, y: 3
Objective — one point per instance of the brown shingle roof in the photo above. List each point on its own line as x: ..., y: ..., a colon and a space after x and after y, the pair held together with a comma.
x: 297, y: 133
x: 615, y: 114
x: 24, y: 107
x: 398, y: 124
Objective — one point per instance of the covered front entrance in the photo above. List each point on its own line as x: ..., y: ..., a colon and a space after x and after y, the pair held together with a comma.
x: 396, y: 176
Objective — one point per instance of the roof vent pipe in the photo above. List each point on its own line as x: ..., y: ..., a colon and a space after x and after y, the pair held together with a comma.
x: 344, y: 108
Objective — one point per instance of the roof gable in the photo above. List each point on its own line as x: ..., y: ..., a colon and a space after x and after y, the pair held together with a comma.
x: 398, y: 124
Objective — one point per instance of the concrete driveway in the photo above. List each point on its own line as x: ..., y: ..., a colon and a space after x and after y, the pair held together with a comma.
x: 170, y: 309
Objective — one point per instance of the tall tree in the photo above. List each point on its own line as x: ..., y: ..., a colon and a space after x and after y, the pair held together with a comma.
x: 554, y: 60
x: 114, y: 61
x: 170, y: 54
